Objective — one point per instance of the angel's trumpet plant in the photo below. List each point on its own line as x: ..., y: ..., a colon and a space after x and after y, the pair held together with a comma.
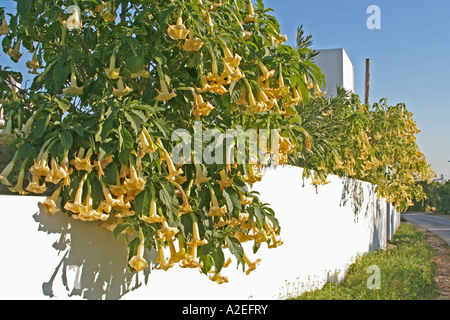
x: 193, y: 44
x: 251, y: 17
x: 33, y: 64
x: 151, y: 146
x: 164, y: 94
x: 196, y: 241
x: 135, y: 184
x: 166, y: 233
x: 200, y: 178
x: 82, y: 161
x: 225, y: 182
x: 178, y: 31
x: 204, y: 108
x: 266, y: 73
x: 77, y: 205
x: 215, y: 210
x: 4, y: 28
x: 35, y: 187
x: 251, y: 265
x: 50, y: 203
x: 122, y: 89
x: 56, y: 173
x: 112, y: 72
x: 18, y: 188
x: 7, y: 170
x: 153, y: 214
x: 14, y: 53
x: 138, y: 262
x: 164, y: 263
x: 73, y: 88
x: 233, y: 60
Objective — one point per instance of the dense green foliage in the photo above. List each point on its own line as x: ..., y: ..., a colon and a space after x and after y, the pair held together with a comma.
x: 438, y: 198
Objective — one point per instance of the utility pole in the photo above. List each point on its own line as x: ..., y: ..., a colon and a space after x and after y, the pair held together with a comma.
x: 367, y: 84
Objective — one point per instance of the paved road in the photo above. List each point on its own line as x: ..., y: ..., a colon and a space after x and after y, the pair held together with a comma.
x: 438, y: 225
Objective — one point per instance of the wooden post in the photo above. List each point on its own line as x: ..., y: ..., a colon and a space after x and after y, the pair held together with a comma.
x: 367, y: 85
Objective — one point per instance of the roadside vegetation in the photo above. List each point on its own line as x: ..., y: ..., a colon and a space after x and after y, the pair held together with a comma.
x: 407, y: 272
x: 438, y: 198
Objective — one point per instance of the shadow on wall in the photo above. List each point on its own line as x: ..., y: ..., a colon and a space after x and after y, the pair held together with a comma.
x: 375, y: 210
x: 93, y: 263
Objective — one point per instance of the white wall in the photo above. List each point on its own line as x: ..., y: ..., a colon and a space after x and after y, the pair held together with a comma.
x: 323, y: 232
x: 338, y: 70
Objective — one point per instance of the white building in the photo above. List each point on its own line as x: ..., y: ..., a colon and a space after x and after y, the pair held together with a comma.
x: 338, y: 70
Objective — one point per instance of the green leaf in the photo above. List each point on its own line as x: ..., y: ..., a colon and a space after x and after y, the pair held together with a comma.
x: 127, y: 146
x: 236, y: 249
x: 66, y: 139
x: 120, y: 228
x: 135, y: 64
x: 142, y: 202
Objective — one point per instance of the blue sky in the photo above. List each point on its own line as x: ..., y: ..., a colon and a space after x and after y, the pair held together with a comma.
x: 409, y: 55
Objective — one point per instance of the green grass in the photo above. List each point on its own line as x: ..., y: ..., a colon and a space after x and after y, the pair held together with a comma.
x: 407, y: 272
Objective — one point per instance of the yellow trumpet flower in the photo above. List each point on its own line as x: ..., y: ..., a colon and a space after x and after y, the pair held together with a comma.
x: 4, y: 28
x: 191, y: 260
x: 19, y: 185
x: 204, y: 108
x: 205, y: 86
x: 253, y: 176
x: 173, y: 172
x: 77, y: 205
x: 195, y: 240
x: 251, y: 265
x: 183, y: 209
x: 73, y: 88
x: 82, y: 161
x: 244, y: 199
x: 233, y: 60
x: 14, y: 53
x: 164, y: 263
x: 56, y: 173
x: 122, y: 89
x: 216, y: 210
x: 40, y: 166
x: 216, y: 81
x: 193, y: 45
x: 266, y: 73
x: 225, y: 182
x: 5, y: 173
x: 33, y: 64
x: 135, y: 184
x: 153, y: 215
x: 148, y: 146
x: 199, y: 176
x: 50, y: 202
x: 112, y: 72
x: 166, y: 233
x: 138, y: 262
x: 178, y: 31
x: 218, y: 278
x: 164, y: 94
x: 251, y: 17
x: 35, y: 187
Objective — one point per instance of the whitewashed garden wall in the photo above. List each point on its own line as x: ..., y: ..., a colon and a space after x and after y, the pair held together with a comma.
x: 324, y: 230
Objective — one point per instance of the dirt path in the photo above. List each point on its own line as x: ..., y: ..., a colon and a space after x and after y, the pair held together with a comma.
x: 442, y: 261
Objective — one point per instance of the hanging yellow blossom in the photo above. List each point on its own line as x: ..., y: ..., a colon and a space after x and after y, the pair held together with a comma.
x: 178, y: 31
x: 164, y: 94
x: 73, y: 88
x: 122, y: 89
x: 138, y: 262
